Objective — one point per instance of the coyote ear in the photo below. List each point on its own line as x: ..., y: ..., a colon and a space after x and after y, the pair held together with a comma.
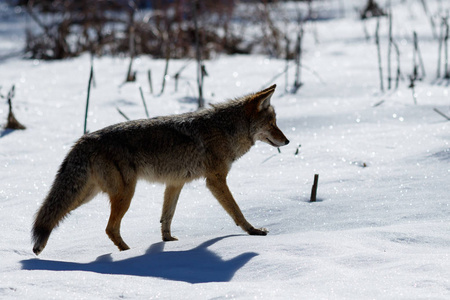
x: 263, y: 97
x: 270, y: 88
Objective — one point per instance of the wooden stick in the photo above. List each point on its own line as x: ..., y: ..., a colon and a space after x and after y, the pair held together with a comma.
x: 93, y: 75
x: 143, y: 101
x: 314, y: 188
x: 123, y: 114
x: 412, y: 86
x: 298, y: 59
x: 198, y: 56
x: 87, y: 98
x: 149, y: 75
x: 12, y: 122
x: 389, y: 50
x: 419, y: 55
x: 131, y: 76
x: 415, y: 73
x: 366, y: 33
x: 377, y: 41
x: 441, y: 39
x: 397, y: 51
x: 442, y: 114
x: 378, y: 103
x: 286, y: 77
x: 178, y: 74
x: 165, y: 71
x: 446, y: 36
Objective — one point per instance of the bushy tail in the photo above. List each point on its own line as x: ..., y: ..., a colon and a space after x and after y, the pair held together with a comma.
x: 65, y: 195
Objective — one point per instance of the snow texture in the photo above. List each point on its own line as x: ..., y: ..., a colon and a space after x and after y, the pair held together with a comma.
x: 379, y: 230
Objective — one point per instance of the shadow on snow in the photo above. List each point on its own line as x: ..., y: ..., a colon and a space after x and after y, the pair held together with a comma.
x: 197, y: 265
x: 5, y: 132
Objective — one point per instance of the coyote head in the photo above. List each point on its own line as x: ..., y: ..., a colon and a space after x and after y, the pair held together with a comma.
x: 263, y: 125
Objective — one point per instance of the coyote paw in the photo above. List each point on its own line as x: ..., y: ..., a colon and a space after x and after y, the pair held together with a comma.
x: 123, y: 247
x: 260, y: 231
x: 169, y: 238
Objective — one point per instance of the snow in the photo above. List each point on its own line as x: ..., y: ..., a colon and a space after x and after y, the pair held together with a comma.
x: 379, y: 231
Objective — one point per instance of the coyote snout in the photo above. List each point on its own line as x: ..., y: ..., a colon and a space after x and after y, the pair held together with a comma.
x: 173, y: 150
x: 273, y: 136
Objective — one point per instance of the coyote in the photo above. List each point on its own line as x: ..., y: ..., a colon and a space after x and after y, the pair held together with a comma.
x: 172, y: 150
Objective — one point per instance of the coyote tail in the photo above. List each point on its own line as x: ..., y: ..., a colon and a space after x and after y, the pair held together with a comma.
x: 67, y: 193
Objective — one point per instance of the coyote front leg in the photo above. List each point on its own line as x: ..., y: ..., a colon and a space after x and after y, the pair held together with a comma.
x: 217, y: 184
x: 171, y: 195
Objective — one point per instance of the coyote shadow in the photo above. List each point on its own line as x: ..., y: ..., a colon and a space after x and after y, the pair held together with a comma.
x: 198, y: 265
x: 5, y: 132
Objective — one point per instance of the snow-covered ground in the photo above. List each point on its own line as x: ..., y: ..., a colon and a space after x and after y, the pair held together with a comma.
x: 376, y: 232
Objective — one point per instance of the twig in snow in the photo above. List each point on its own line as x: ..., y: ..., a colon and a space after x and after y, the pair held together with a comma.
x: 298, y: 59
x: 178, y: 74
x: 286, y: 73
x: 269, y: 158
x: 143, y: 101
x: 389, y: 50
x: 149, y: 76
x: 123, y: 114
x: 378, y: 103
x: 417, y: 50
x: 447, y: 29
x: 412, y: 85
x: 314, y: 188
x: 441, y: 41
x: 12, y: 122
x: 377, y: 41
x: 399, y: 73
x: 366, y: 33
x: 442, y: 114
x: 200, y: 66
x: 91, y: 74
x: 131, y: 76
x: 165, y: 72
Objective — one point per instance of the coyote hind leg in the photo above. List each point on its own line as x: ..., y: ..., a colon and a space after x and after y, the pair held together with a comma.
x: 119, y: 206
x: 171, y: 195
